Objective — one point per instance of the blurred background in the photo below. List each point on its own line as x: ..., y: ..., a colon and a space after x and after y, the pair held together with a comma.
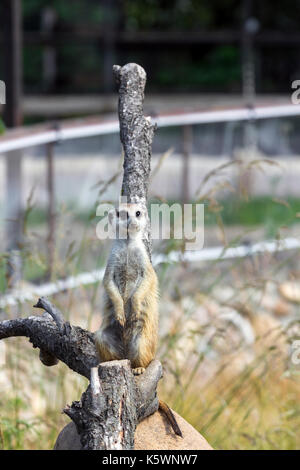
x: 222, y: 87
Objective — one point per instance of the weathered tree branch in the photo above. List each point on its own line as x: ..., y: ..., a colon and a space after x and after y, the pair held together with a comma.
x: 70, y: 344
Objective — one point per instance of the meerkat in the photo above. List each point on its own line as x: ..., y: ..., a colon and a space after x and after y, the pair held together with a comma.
x: 129, y: 328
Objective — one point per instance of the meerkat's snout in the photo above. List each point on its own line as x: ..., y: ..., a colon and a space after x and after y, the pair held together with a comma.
x: 130, y: 219
x: 132, y: 230
x: 133, y: 225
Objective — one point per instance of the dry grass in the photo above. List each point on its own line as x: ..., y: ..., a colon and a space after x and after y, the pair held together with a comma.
x: 240, y: 394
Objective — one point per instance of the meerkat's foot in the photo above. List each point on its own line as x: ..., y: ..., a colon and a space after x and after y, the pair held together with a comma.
x: 138, y: 370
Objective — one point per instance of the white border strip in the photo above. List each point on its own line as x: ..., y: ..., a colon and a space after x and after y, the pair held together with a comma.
x: 207, y: 254
x: 89, y: 130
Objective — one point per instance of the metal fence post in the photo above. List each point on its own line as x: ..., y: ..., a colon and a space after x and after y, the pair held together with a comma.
x: 13, y: 215
x: 187, y: 149
x: 250, y: 28
x: 51, y: 208
x: 13, y: 118
x: 108, y: 27
x: 48, y: 21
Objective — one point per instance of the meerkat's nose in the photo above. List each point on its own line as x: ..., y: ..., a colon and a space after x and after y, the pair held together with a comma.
x: 131, y: 223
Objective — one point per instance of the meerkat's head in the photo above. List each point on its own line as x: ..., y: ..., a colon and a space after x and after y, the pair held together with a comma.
x: 130, y: 220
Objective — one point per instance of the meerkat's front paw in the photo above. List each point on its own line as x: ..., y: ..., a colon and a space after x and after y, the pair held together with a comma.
x: 121, y: 320
x: 138, y: 370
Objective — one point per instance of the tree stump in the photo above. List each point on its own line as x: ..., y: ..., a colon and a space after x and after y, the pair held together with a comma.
x: 153, y: 433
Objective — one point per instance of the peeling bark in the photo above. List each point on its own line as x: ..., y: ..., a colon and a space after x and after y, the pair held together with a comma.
x: 107, y: 420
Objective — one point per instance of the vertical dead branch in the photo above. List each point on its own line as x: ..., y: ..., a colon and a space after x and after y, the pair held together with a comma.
x: 187, y: 149
x: 136, y: 133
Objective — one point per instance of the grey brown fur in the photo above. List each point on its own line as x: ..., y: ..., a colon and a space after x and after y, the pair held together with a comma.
x: 130, y: 315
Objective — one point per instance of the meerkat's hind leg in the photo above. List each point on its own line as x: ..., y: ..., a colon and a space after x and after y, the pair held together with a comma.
x: 138, y: 370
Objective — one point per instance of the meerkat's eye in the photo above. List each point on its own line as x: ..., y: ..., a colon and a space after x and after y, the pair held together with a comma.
x: 138, y: 213
x: 117, y: 213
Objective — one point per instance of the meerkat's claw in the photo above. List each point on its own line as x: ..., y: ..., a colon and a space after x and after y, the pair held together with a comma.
x: 138, y: 370
x: 121, y: 321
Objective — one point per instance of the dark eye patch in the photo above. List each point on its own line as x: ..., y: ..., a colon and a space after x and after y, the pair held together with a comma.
x: 138, y: 213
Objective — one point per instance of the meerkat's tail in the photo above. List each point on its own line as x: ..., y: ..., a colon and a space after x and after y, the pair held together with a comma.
x: 170, y: 416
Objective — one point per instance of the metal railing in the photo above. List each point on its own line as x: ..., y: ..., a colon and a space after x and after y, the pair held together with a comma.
x: 75, y: 129
x: 15, y: 141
